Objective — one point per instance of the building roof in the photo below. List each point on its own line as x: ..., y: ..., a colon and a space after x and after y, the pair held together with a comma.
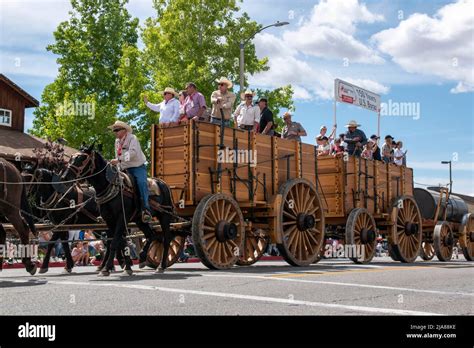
x: 30, y: 101
x: 13, y: 142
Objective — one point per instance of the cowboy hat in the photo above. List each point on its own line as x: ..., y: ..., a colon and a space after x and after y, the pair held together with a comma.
x: 169, y: 90
x: 120, y: 124
x: 247, y: 92
x: 226, y: 81
x: 353, y: 123
x: 286, y: 114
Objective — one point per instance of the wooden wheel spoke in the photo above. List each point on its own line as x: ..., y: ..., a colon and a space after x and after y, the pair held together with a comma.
x: 287, y: 214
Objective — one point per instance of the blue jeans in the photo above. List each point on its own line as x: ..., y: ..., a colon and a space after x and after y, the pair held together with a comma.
x: 139, y: 173
x: 218, y: 121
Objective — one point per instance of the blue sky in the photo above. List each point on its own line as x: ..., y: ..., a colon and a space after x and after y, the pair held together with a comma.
x: 418, y: 52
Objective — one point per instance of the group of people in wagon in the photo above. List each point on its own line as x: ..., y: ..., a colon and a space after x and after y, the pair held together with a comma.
x: 189, y: 104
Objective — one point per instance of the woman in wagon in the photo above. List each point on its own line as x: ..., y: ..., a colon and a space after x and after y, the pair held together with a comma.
x: 354, y: 138
x: 292, y: 130
x: 337, y: 149
x: 375, y: 148
x: 129, y: 156
x: 247, y: 115
x: 387, y: 149
x: 322, y: 133
x: 168, y: 108
x: 325, y: 148
x: 367, y: 153
x: 222, y: 99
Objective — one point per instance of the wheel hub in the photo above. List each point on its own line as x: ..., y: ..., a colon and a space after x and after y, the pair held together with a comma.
x: 305, y: 221
x: 411, y: 228
x: 225, y: 231
x: 471, y: 236
x: 448, y: 240
x: 367, y: 236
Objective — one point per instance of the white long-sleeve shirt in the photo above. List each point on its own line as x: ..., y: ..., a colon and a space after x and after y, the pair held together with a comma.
x: 247, y: 115
x: 169, y: 110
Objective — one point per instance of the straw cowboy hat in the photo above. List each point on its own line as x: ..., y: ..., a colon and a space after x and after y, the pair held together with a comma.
x: 353, y: 123
x: 247, y: 92
x: 226, y: 81
x: 286, y: 114
x: 169, y: 90
x: 119, y: 125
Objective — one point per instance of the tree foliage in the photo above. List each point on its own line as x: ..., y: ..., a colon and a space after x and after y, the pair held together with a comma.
x: 100, y: 62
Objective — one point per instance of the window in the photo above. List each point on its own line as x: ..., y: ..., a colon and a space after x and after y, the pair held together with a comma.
x: 5, y: 117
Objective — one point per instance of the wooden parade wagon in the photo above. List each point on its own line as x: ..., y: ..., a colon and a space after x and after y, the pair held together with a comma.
x: 243, y: 190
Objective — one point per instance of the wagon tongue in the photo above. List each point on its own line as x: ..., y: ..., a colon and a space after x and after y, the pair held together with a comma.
x: 225, y: 231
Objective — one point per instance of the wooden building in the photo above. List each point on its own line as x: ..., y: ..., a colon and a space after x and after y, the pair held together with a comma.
x: 15, y: 145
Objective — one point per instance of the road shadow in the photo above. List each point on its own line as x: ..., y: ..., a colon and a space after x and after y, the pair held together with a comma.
x: 4, y: 284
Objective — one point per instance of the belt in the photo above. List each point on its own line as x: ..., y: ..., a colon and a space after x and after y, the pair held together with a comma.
x: 246, y: 127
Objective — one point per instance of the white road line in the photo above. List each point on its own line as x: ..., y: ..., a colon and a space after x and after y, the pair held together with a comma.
x: 268, y: 277
x: 241, y: 297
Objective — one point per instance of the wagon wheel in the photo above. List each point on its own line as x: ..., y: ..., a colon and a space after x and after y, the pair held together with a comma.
x: 391, y: 253
x: 466, y: 239
x: 427, y: 251
x: 406, y: 231
x: 302, y: 223
x: 254, y: 247
x: 155, y: 252
x: 218, y: 231
x: 361, y: 234
x: 443, y: 241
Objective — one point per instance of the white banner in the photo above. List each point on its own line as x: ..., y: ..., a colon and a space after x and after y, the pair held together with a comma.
x: 346, y: 92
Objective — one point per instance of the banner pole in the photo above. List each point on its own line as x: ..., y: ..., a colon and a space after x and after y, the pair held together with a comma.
x: 378, y: 124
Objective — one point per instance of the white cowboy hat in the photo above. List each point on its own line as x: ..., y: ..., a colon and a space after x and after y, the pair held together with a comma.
x: 169, y: 90
x: 121, y: 124
x: 353, y: 123
x: 226, y: 81
x: 248, y: 91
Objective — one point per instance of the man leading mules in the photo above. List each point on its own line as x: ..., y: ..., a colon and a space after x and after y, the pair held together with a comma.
x: 129, y: 156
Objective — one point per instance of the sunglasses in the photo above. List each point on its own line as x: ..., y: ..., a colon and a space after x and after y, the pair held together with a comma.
x: 249, y: 96
x: 118, y: 130
x: 222, y: 84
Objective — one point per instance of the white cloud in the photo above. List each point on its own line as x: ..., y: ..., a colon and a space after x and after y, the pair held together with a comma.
x: 343, y: 14
x: 441, y: 45
x: 329, y: 33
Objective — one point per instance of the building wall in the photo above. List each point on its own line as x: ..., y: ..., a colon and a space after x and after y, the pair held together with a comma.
x: 10, y: 100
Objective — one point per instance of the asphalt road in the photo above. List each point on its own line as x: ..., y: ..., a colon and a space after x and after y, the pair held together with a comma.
x: 330, y: 287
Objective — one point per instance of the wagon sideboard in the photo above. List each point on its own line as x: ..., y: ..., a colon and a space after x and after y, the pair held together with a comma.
x: 254, y: 166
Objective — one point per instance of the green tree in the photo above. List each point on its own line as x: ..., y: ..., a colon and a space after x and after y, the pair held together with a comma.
x: 189, y: 40
x: 87, y: 94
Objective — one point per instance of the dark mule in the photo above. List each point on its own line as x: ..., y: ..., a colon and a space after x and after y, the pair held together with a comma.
x: 12, y: 201
x: 47, y: 197
x: 119, y: 207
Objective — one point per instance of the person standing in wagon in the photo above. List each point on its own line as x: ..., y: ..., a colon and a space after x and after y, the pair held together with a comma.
x: 168, y: 108
x: 222, y: 99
